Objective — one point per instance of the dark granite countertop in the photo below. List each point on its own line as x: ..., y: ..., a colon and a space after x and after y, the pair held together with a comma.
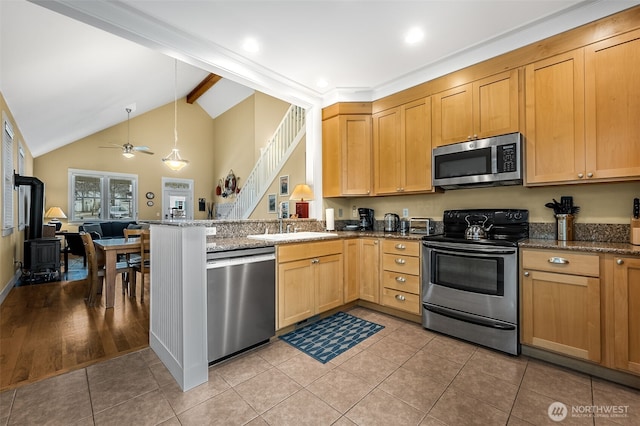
x: 623, y: 249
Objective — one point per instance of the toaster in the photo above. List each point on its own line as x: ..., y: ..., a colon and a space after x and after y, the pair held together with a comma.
x: 420, y: 225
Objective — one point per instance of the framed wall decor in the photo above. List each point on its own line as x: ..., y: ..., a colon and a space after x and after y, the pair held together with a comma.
x: 271, y: 203
x: 284, y: 185
x: 284, y: 209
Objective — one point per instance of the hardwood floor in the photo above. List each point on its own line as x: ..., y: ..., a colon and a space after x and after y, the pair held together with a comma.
x: 47, y: 329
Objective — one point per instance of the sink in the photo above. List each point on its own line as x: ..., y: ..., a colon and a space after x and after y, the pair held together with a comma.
x: 291, y: 236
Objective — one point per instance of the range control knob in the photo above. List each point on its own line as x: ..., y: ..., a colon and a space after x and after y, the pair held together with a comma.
x: 517, y: 215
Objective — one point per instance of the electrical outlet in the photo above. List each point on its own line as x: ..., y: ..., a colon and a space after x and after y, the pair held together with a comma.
x: 354, y: 212
x: 339, y: 212
x: 210, y: 230
x: 405, y: 212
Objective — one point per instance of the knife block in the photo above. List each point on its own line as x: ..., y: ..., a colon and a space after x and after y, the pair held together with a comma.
x: 634, y: 236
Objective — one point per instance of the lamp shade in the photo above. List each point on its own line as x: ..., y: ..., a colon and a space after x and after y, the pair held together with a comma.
x: 301, y: 192
x: 55, y: 213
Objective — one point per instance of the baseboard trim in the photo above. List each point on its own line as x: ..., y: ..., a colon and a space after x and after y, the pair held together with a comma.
x: 616, y: 376
x: 12, y: 282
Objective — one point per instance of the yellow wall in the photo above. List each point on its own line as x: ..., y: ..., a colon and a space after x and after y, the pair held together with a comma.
x: 11, y: 246
x: 599, y: 203
x: 153, y: 129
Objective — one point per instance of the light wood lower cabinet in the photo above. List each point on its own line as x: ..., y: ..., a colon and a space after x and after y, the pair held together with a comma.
x: 401, y: 275
x: 561, y: 303
x: 626, y: 313
x: 369, y: 273
x: 310, y: 280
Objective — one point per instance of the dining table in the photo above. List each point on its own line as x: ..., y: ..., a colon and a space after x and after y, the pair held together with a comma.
x: 110, y: 248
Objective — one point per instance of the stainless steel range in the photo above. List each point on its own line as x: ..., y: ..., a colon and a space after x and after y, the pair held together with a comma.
x: 470, y: 277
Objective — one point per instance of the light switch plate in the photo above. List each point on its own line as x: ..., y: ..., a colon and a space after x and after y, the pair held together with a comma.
x: 405, y: 212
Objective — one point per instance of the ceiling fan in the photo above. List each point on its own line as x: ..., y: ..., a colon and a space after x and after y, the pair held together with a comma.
x: 129, y: 150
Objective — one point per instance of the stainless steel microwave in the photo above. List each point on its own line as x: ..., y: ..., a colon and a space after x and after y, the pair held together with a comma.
x: 492, y: 161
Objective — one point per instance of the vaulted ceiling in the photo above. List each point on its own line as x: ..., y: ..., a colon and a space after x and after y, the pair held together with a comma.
x: 70, y: 68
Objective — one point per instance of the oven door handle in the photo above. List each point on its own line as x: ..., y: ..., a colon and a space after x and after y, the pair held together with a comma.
x: 457, y: 250
x: 466, y: 318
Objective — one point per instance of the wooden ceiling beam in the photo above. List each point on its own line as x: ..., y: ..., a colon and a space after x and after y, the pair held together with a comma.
x: 201, y: 88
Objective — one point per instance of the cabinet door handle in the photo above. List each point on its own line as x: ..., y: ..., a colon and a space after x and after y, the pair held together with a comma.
x: 589, y: 174
x: 400, y: 297
x: 400, y: 261
x: 558, y: 260
x: 620, y: 262
x: 400, y: 246
x: 526, y: 274
x: 401, y: 279
x: 315, y: 260
x: 580, y: 175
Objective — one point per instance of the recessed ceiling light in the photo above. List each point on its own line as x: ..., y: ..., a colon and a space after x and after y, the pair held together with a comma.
x: 250, y: 45
x: 322, y: 83
x: 414, y: 35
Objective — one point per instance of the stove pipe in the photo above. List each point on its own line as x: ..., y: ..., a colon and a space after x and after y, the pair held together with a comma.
x: 36, y: 208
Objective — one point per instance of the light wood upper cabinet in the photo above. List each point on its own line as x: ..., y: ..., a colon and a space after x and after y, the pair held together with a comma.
x: 554, y: 128
x: 561, y: 309
x: 582, y: 112
x: 402, y: 149
x: 612, y: 100
x: 346, y: 152
x: 486, y: 107
x: 626, y: 301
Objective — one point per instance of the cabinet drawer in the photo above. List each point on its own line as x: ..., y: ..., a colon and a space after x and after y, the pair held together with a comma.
x: 403, y: 282
x: 407, y: 248
x: 401, y: 263
x: 290, y: 252
x: 400, y: 300
x: 564, y: 262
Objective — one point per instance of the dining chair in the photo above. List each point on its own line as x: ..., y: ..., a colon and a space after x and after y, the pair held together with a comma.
x: 139, y: 263
x: 95, y: 274
x: 96, y: 270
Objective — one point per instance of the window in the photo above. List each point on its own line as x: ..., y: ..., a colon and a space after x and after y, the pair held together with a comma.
x: 7, y: 176
x: 95, y: 195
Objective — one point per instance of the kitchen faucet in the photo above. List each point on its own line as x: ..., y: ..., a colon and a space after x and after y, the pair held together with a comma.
x: 280, y: 218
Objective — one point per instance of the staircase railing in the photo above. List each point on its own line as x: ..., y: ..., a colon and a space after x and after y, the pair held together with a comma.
x: 280, y: 147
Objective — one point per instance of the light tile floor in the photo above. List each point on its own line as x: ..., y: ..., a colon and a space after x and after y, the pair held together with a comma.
x: 403, y: 375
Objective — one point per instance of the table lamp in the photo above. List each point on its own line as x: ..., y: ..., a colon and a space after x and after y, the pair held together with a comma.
x: 54, y: 213
x: 302, y: 193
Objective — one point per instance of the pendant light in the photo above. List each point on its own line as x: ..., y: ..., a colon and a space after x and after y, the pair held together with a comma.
x: 173, y: 160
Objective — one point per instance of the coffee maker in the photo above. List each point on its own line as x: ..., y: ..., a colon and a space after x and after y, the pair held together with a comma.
x: 366, y: 219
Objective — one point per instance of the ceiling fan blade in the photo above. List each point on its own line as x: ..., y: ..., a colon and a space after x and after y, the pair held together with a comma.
x: 116, y: 146
x: 140, y: 148
x: 146, y: 152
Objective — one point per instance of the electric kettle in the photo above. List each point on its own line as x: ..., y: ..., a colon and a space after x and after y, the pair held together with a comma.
x: 391, y: 222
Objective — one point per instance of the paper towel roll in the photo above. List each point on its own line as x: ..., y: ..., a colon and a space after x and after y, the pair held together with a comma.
x: 331, y: 225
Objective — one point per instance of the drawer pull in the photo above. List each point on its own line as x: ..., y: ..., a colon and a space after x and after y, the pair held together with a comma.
x: 315, y: 260
x: 400, y: 261
x: 400, y: 297
x: 526, y: 274
x: 620, y: 262
x: 401, y: 246
x: 401, y: 279
x: 558, y: 260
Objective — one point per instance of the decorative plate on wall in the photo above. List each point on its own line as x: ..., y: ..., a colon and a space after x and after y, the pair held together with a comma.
x: 150, y: 203
x: 150, y: 195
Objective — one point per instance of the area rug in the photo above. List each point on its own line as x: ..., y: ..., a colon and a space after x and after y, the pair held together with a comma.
x: 329, y: 337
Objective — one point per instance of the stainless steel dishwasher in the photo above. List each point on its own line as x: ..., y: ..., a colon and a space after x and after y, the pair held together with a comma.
x: 241, y: 293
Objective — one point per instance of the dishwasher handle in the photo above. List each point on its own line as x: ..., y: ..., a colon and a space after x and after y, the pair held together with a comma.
x: 221, y: 263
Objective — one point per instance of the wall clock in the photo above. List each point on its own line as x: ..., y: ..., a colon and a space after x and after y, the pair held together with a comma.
x: 150, y: 203
x: 150, y: 195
